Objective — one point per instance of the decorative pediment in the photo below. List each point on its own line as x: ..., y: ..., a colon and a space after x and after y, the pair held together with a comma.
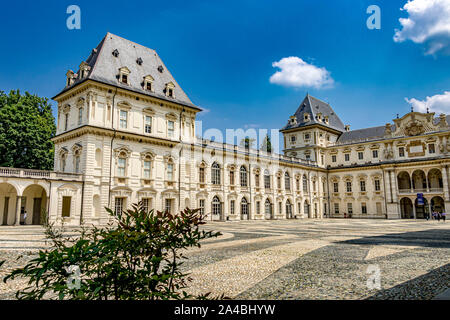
x: 171, y: 116
x: 124, y: 105
x: 122, y: 151
x: 416, y: 123
x: 77, y: 148
x: 147, y: 155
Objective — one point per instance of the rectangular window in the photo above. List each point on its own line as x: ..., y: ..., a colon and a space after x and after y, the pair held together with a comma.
x: 147, y: 167
x: 335, y: 187
x: 297, y: 184
x: 431, y: 148
x: 232, y: 207
x: 170, y: 129
x: 336, y: 208
x: 232, y: 177
x: 149, y: 85
x: 401, y: 152
x: 333, y: 158
x: 170, y: 172
x: 280, y: 208
x: 347, y: 157
x: 66, y: 121
x: 377, y: 185
x: 257, y: 180
x: 375, y: 153
x: 350, y: 208
x: 258, y: 207
x: 362, y: 185
x: 146, y: 204
x: 307, y: 137
x: 349, y: 186
x: 124, y: 78
x: 66, y: 206
x: 360, y: 155
x: 202, y: 206
x: 77, y: 164
x: 168, y: 206
x: 118, y: 205
x: 121, y: 167
x: 123, y: 119
x: 202, y: 175
x: 148, y: 124
x: 363, y: 208
x: 292, y: 138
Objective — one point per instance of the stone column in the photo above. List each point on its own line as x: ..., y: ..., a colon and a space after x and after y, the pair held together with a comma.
x: 394, y: 186
x: 414, y: 209
x: 18, y: 206
x: 445, y: 183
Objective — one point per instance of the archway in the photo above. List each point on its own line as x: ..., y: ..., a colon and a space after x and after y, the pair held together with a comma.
x: 288, y: 209
x: 435, y: 179
x: 419, y: 181
x: 8, y: 199
x: 244, y: 209
x: 216, y: 208
x: 34, y: 205
x: 422, y: 210
x: 268, y: 209
x: 437, y: 204
x: 403, y: 180
x: 406, y: 208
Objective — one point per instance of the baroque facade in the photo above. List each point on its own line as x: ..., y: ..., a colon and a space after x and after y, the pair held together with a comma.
x: 126, y: 134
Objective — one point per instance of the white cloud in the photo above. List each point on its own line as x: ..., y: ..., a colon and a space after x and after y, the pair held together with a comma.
x: 439, y: 103
x: 428, y: 23
x: 297, y: 73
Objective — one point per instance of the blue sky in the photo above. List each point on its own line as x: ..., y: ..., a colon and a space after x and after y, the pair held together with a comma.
x: 221, y: 53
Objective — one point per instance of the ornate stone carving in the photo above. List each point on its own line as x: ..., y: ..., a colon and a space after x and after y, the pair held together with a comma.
x: 414, y: 128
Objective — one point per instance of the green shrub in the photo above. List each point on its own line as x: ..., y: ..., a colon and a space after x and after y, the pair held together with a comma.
x: 137, y: 256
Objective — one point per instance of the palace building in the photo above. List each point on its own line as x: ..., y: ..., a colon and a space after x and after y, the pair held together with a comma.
x: 126, y: 134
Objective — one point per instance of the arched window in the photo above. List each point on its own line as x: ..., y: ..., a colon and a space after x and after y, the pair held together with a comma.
x: 305, y: 184
x: 266, y: 179
x: 215, y: 205
x: 287, y: 181
x: 215, y: 173
x: 243, y: 173
x: 244, y: 206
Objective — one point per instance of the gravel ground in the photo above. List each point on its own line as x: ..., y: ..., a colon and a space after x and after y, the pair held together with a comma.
x: 309, y: 259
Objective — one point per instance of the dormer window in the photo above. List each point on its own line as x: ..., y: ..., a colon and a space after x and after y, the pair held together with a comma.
x: 148, y: 83
x: 70, y: 75
x: 139, y: 61
x: 84, y: 70
x: 319, y: 116
x: 115, y: 53
x: 306, y: 117
x: 124, y: 72
x: 170, y: 90
x: 325, y: 119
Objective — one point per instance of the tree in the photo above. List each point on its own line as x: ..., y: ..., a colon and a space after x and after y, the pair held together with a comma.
x: 26, y: 127
x: 266, y: 144
x: 135, y: 257
x: 247, y: 142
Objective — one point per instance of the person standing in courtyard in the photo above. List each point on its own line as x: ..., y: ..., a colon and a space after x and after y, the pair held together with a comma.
x: 443, y: 216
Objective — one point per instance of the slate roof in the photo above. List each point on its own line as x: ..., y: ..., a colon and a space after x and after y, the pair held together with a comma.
x: 370, y: 134
x: 313, y: 106
x: 105, y: 68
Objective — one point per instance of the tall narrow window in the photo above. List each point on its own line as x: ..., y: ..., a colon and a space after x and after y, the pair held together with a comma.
x: 121, y: 165
x: 215, y: 205
x: 232, y: 207
x: 66, y: 206
x: 268, y: 208
x: 80, y: 115
x: 258, y: 207
x: 201, y: 175
x: 118, y: 205
x: 360, y: 155
x: 375, y: 153
x: 266, y: 179
x: 335, y: 187
x: 431, y: 148
x: 66, y: 121
x: 350, y: 208
x: 279, y: 182
x: 148, y: 124
x: 170, y: 172
x: 202, y: 206
x: 215, y: 173
x: 63, y: 164
x: 287, y: 181
x: 336, y: 208
x: 362, y: 185
x: 232, y: 177
x: 349, y: 186
x: 377, y: 185
x: 243, y: 174
x: 147, y: 168
x: 257, y: 180
x: 170, y: 129
x: 297, y: 184
x: 168, y: 205
x: 363, y: 208
x: 305, y: 184
x: 123, y: 119
x: 401, y: 152
x: 244, y: 206
x: 146, y: 204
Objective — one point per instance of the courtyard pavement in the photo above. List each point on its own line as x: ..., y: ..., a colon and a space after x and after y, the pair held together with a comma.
x: 298, y: 259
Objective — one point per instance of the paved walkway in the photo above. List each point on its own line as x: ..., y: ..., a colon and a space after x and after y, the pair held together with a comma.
x: 303, y: 259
